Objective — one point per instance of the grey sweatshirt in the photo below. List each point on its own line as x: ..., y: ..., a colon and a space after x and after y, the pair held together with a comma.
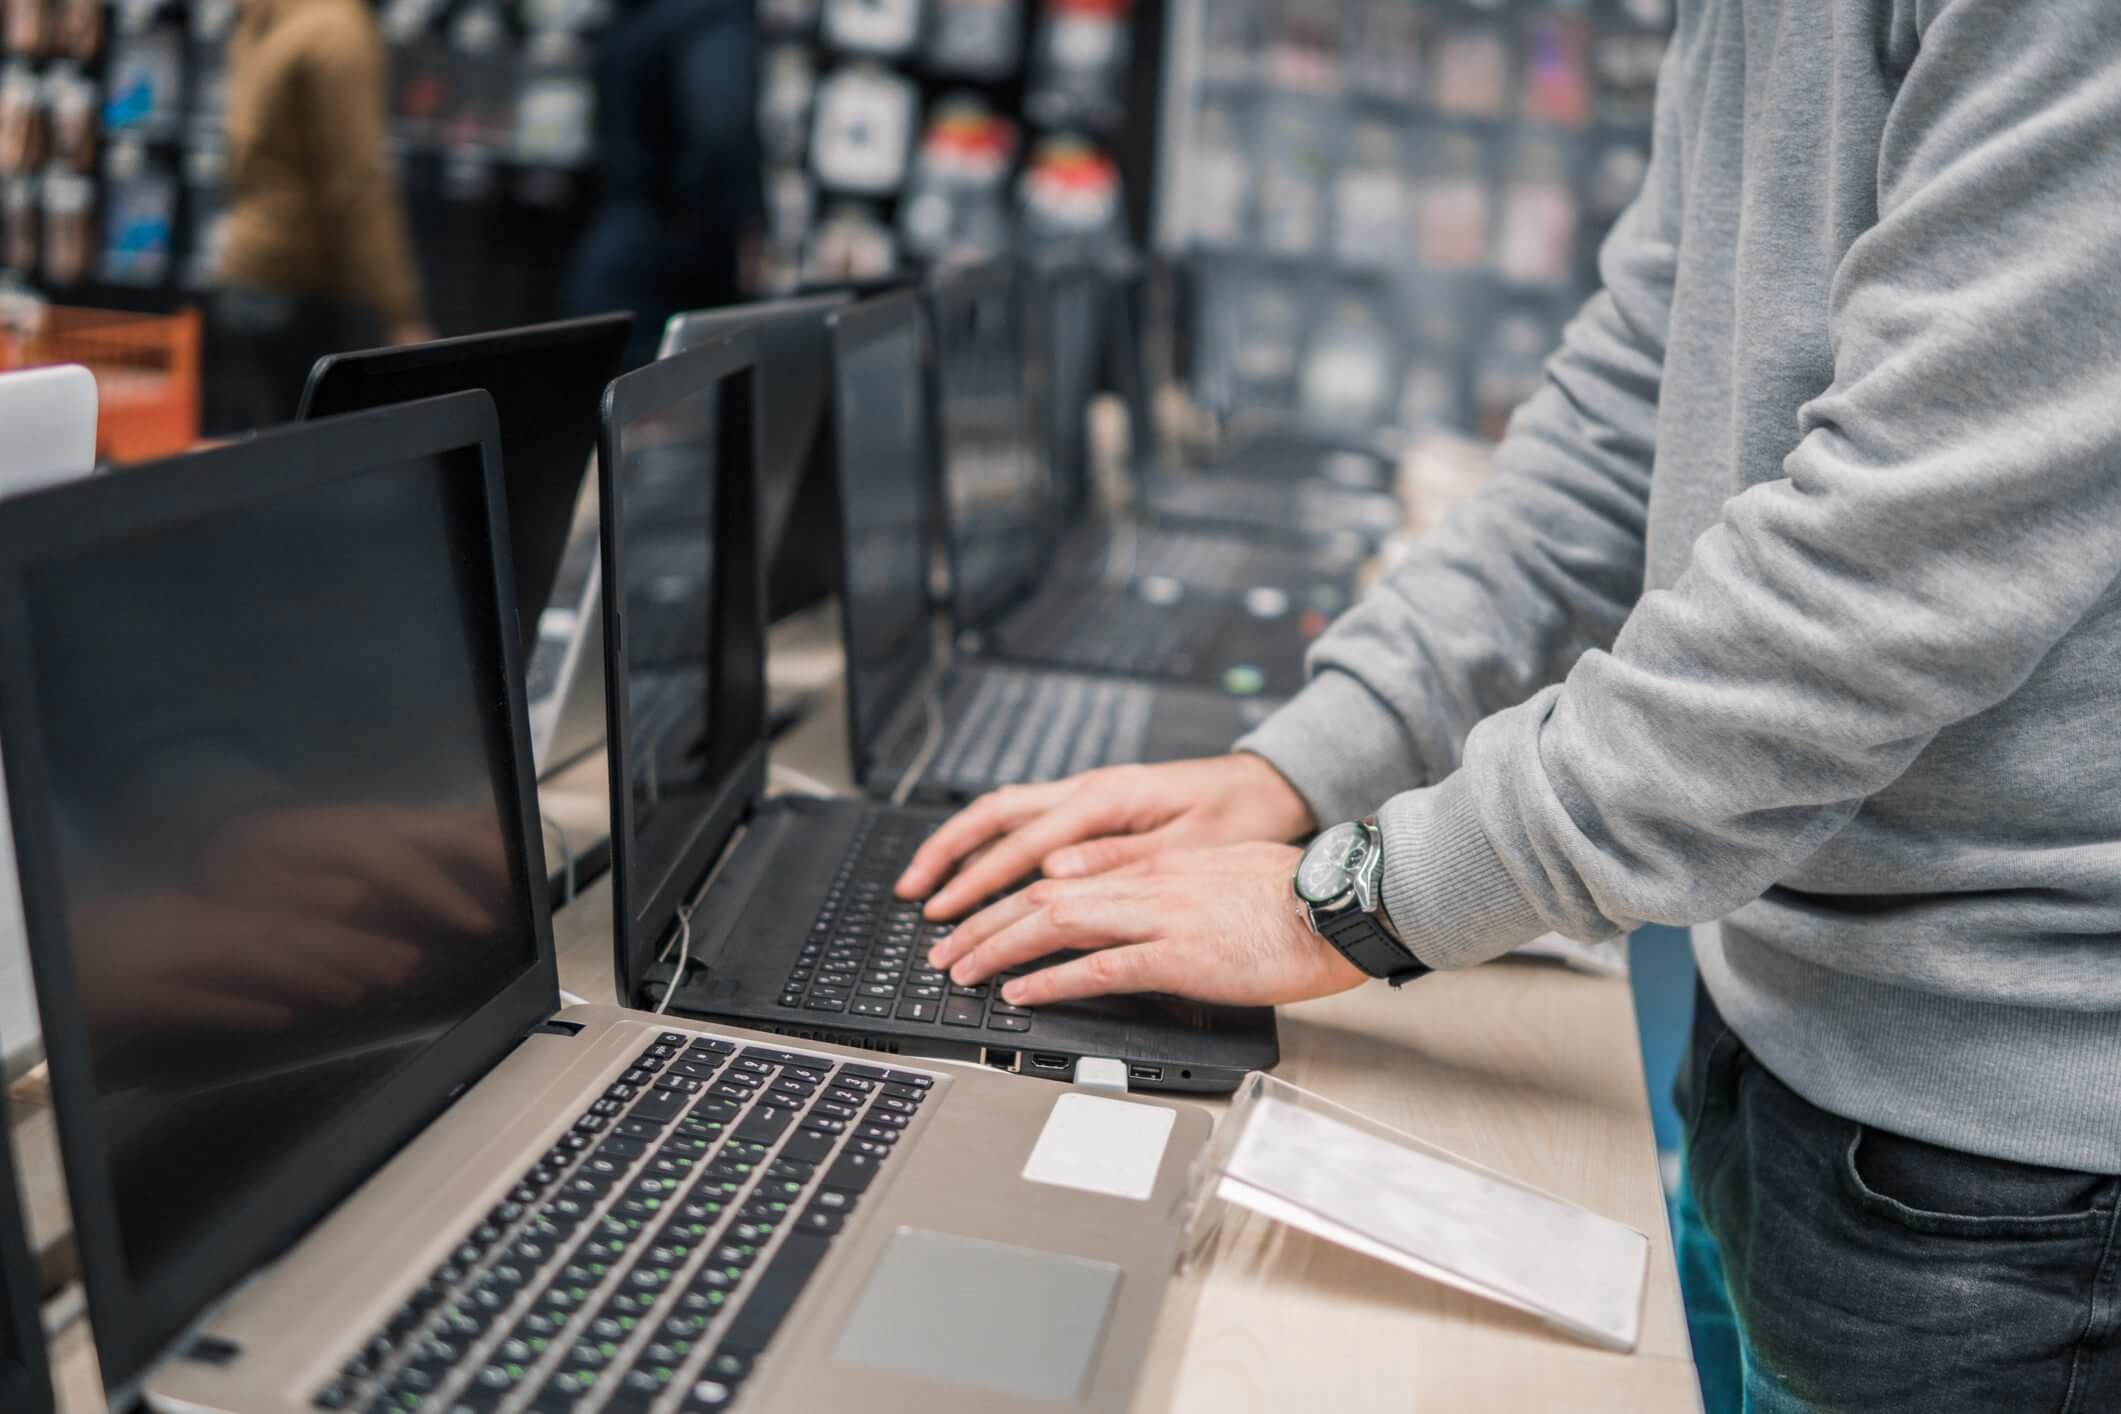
x: 1795, y: 598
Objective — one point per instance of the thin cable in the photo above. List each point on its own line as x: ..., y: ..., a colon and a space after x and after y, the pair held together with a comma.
x: 930, y: 743
x: 566, y: 858
x: 795, y: 780
x: 684, y: 944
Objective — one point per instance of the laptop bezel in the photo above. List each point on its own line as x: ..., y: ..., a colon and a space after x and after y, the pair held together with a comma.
x: 856, y: 326
x: 729, y: 360
x: 138, y: 1325
x: 611, y: 329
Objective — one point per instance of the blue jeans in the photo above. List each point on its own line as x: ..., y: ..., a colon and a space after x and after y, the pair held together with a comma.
x: 1875, y: 1273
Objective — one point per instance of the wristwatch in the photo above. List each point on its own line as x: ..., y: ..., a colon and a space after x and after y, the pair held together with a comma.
x: 1337, y: 884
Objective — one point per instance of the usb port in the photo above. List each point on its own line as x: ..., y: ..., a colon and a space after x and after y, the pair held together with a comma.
x: 1041, y: 1060
x: 1145, y: 1072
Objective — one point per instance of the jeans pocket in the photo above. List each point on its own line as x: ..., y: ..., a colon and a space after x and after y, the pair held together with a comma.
x: 1930, y: 1189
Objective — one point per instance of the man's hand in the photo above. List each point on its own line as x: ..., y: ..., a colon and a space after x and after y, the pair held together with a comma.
x: 1219, y: 925
x: 1099, y: 821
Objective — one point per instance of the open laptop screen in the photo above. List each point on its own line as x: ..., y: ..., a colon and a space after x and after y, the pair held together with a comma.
x: 795, y: 436
x: 885, y: 466
x: 1070, y: 297
x: 273, y: 810
x: 1000, y: 515
x: 692, y: 639
x: 545, y: 380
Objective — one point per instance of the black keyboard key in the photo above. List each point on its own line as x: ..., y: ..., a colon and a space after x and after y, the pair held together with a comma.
x: 658, y: 1107
x: 775, y: 1057
x: 916, y: 1011
x: 692, y: 1069
x: 1001, y: 1022
x: 892, y: 1104
x: 707, y: 1396
x: 827, y: 1109
x: 821, y: 1001
x: 851, y: 1171
x: 808, y: 1146
x: 961, y: 1011
x: 908, y: 1077
x: 714, y: 1044
x: 820, y: 1222
x: 868, y: 1006
x: 766, y: 1123
x: 782, y: 1281
x: 880, y: 1133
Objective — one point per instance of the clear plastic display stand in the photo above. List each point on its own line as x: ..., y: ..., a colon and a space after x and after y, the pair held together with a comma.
x: 1292, y: 1157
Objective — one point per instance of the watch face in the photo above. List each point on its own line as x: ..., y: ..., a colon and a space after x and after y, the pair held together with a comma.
x: 1327, y: 870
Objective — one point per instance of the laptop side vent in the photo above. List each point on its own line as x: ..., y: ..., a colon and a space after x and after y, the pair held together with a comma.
x: 854, y: 1039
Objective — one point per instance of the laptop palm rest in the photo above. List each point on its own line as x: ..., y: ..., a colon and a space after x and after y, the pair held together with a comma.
x: 983, y: 1315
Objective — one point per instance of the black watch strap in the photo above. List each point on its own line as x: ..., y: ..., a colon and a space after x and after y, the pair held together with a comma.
x: 1362, y: 940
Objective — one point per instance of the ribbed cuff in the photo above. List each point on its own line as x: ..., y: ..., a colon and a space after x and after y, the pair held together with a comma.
x: 1445, y: 887
x: 1343, y: 749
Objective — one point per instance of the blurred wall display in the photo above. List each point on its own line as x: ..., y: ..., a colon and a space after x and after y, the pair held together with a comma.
x: 904, y: 132
x: 1390, y: 207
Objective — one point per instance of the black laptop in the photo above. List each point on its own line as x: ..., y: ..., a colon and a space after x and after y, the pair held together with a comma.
x: 545, y: 380
x: 25, y: 1379
x: 801, y: 503
x: 1267, y: 488
x: 797, y: 932
x: 1069, y: 302
x: 930, y: 724
x: 1006, y: 518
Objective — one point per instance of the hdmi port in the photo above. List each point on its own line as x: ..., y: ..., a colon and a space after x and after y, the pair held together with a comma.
x: 1041, y: 1060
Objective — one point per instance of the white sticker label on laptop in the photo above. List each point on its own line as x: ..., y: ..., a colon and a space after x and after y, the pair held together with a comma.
x: 1101, y: 1146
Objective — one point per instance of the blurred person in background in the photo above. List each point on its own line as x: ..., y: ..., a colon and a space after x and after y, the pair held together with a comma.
x: 317, y: 258
x: 677, y: 129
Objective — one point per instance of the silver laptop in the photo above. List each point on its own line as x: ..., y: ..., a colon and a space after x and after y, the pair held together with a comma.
x: 47, y: 435
x: 331, y: 1143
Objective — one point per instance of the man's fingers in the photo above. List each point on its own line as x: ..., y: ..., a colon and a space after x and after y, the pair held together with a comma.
x: 1018, y: 854
x: 1074, y: 921
x: 1114, y: 852
x: 993, y: 814
x: 1157, y: 965
x: 980, y: 927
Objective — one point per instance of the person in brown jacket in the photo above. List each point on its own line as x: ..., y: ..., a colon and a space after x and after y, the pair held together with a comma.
x: 316, y: 257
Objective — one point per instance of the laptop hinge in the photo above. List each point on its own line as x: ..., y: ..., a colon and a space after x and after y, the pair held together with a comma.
x: 1101, y: 1073
x: 557, y: 1028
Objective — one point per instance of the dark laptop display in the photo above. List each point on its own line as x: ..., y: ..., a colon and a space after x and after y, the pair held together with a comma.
x: 25, y: 1381
x: 276, y: 897
x: 795, y: 437
x: 1065, y: 336
x: 545, y: 381
x: 692, y: 697
x: 1001, y: 520
x: 884, y: 489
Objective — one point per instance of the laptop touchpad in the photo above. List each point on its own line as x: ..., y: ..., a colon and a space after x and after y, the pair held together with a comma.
x: 983, y: 1315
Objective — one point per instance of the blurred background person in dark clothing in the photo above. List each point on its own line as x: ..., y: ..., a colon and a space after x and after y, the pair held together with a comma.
x: 678, y: 132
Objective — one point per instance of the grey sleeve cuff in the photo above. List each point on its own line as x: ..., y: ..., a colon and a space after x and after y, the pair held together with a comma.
x: 1344, y: 750
x: 1445, y: 888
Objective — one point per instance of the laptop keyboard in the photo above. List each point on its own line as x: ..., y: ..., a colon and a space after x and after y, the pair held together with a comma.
x: 1093, y: 626
x: 645, y: 1263
x: 867, y: 952
x: 1025, y: 726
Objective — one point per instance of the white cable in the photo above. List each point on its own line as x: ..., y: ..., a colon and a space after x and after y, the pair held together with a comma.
x: 795, y: 780
x: 930, y: 743
x: 566, y: 857
x: 684, y: 946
